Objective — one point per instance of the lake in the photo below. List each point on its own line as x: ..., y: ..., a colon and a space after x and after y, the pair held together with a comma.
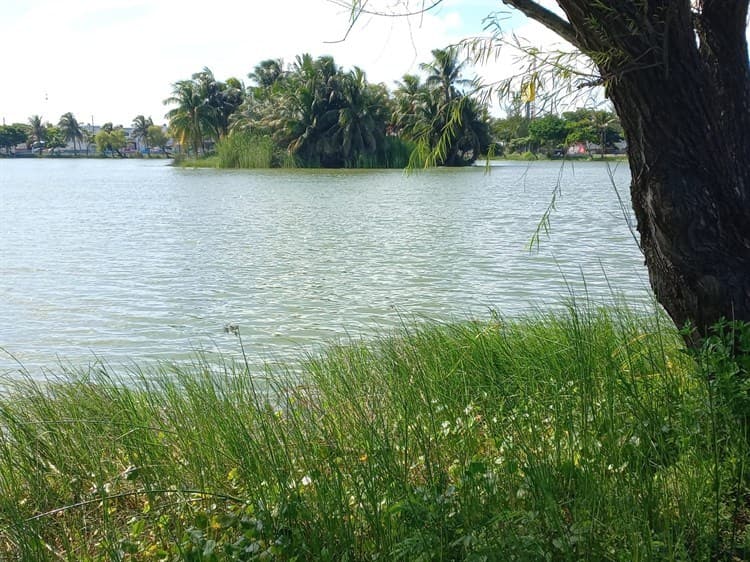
x: 135, y: 261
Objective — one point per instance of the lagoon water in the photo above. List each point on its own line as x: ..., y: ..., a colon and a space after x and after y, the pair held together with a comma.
x: 136, y: 261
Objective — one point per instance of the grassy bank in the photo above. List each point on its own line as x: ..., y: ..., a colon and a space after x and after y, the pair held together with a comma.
x: 578, y: 435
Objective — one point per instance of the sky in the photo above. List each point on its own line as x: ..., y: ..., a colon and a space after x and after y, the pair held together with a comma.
x: 115, y: 59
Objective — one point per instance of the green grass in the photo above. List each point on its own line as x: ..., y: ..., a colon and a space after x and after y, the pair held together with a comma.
x: 586, y: 434
x: 211, y: 161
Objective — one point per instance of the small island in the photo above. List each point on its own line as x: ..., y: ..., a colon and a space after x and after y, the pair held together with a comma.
x: 314, y: 114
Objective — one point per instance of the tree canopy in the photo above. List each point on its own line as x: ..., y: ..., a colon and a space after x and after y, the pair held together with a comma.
x: 318, y: 114
x: 110, y: 140
x: 12, y: 135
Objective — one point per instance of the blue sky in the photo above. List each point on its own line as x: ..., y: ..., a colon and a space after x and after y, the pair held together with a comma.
x: 113, y: 60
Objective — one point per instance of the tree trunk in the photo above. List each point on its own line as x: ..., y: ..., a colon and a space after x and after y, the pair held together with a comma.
x: 680, y: 83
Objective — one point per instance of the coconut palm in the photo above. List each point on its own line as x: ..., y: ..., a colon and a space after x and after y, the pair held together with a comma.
x: 191, y: 118
x: 472, y: 136
x: 38, y: 130
x: 140, y: 129
x: 221, y: 98
x: 304, y: 110
x: 360, y: 129
x: 444, y: 73
x: 449, y: 127
x: 406, y: 97
x: 605, y: 124
x: 225, y: 102
x: 267, y: 73
x: 71, y: 130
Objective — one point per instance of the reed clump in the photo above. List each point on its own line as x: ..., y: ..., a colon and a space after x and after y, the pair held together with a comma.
x: 586, y: 434
x: 246, y: 150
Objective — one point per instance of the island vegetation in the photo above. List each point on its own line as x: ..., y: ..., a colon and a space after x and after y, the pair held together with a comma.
x: 313, y: 113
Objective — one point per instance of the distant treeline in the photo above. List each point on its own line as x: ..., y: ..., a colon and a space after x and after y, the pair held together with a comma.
x: 313, y: 113
x: 582, y: 131
x: 70, y: 135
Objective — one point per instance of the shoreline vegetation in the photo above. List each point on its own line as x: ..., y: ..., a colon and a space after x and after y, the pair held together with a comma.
x: 214, y: 161
x: 587, y: 433
x: 312, y: 113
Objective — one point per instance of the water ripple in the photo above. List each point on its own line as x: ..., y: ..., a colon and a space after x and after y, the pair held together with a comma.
x: 137, y: 261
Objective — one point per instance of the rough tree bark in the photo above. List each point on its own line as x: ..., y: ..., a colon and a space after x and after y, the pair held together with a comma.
x: 678, y: 75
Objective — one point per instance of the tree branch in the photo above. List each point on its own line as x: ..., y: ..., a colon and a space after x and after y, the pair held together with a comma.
x: 547, y: 18
x: 359, y: 7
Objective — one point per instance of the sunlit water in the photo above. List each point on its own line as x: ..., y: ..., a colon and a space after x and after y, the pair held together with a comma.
x: 135, y: 261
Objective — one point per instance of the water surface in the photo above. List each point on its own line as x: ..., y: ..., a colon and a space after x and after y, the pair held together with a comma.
x: 135, y: 261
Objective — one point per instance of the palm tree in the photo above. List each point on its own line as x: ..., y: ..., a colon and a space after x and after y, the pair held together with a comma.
x: 38, y: 131
x: 472, y: 136
x: 361, y: 119
x: 267, y: 73
x: 449, y: 127
x: 304, y: 110
x: 604, y: 123
x: 221, y: 99
x: 71, y: 130
x: 140, y: 129
x: 192, y: 117
x: 410, y: 100
x: 444, y: 73
x: 225, y: 102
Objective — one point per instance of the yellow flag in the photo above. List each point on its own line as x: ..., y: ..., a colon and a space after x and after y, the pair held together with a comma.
x: 528, y: 93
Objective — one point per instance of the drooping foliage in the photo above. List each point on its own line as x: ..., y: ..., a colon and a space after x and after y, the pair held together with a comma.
x: 449, y: 126
x: 203, y: 107
x: 71, y: 130
x: 317, y: 114
x: 141, y: 125
x: 678, y: 76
